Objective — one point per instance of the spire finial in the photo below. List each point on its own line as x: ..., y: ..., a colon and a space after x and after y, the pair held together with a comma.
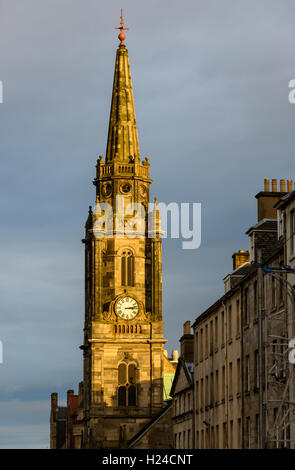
x: 122, y: 35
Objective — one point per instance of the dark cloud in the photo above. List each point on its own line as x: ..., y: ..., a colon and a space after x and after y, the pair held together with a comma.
x: 211, y: 95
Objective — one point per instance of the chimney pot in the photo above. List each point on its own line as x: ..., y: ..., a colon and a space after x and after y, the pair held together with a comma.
x: 175, y: 355
x: 274, y: 185
x: 187, y: 328
x: 289, y: 185
x: 54, y: 398
x: 266, y: 185
x: 69, y: 394
x: 282, y: 186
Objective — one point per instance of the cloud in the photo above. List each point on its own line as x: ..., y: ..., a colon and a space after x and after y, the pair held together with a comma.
x: 33, y: 434
x: 211, y: 95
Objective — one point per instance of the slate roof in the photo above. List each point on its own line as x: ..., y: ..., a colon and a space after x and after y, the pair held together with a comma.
x: 149, y: 425
x: 242, y: 270
x: 264, y: 225
x: 285, y: 200
x: 188, y: 367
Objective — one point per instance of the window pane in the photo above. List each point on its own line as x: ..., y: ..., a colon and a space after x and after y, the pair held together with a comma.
x: 130, y: 261
x: 123, y: 270
x: 131, y: 395
x: 131, y: 374
x: 122, y: 374
x: 122, y: 396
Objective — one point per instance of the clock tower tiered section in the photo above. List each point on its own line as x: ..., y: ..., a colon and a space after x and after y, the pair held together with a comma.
x: 123, y: 331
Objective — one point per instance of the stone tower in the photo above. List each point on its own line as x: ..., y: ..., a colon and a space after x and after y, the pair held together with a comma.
x: 123, y: 331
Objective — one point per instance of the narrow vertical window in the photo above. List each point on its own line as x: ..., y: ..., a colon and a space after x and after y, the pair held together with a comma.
x: 224, y: 436
x: 131, y: 395
x: 216, y: 387
x: 230, y: 379
x: 273, y: 292
x: 239, y: 375
x: 211, y: 337
x: 247, y: 374
x: 123, y: 270
x: 122, y: 396
x: 216, y: 332
x: 222, y: 328
x: 217, y: 437
x: 292, y: 231
x: 257, y: 430
x: 246, y: 312
x: 255, y: 300
x: 202, y: 399
x: 239, y: 434
x: 256, y: 368
x: 248, y: 427
x: 211, y: 388
x: 238, y: 317
x: 201, y: 344
x: 231, y: 434
x: 126, y: 385
x: 223, y: 382
x: 130, y: 270
x: 127, y: 268
x: 281, y: 288
x: 122, y: 374
x: 229, y: 322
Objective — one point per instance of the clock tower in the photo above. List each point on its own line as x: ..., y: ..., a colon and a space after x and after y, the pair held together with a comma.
x: 123, y: 330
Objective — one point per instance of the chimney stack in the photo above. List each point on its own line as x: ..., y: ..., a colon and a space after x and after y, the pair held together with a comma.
x: 54, y: 404
x: 267, y: 199
x: 69, y: 394
x: 187, y: 343
x: 239, y: 258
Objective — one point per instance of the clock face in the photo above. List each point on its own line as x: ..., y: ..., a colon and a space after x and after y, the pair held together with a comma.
x: 127, y: 308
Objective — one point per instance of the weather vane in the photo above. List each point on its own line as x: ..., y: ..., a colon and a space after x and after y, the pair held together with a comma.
x: 121, y: 35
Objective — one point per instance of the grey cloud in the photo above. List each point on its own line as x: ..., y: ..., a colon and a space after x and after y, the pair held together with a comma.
x: 211, y: 95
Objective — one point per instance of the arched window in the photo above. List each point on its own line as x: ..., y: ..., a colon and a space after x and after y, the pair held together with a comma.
x: 126, y: 384
x: 127, y: 268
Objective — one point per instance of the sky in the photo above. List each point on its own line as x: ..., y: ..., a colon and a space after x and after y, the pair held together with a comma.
x: 210, y: 81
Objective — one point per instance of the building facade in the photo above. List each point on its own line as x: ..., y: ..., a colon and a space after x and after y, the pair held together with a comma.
x: 124, y: 362
x: 242, y: 382
x: 182, y: 392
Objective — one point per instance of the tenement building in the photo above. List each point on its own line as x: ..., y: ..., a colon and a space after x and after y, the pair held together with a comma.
x: 182, y: 391
x: 242, y: 379
x: 122, y: 400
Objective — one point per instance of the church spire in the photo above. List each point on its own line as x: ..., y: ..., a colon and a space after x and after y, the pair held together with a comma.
x: 122, y: 136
